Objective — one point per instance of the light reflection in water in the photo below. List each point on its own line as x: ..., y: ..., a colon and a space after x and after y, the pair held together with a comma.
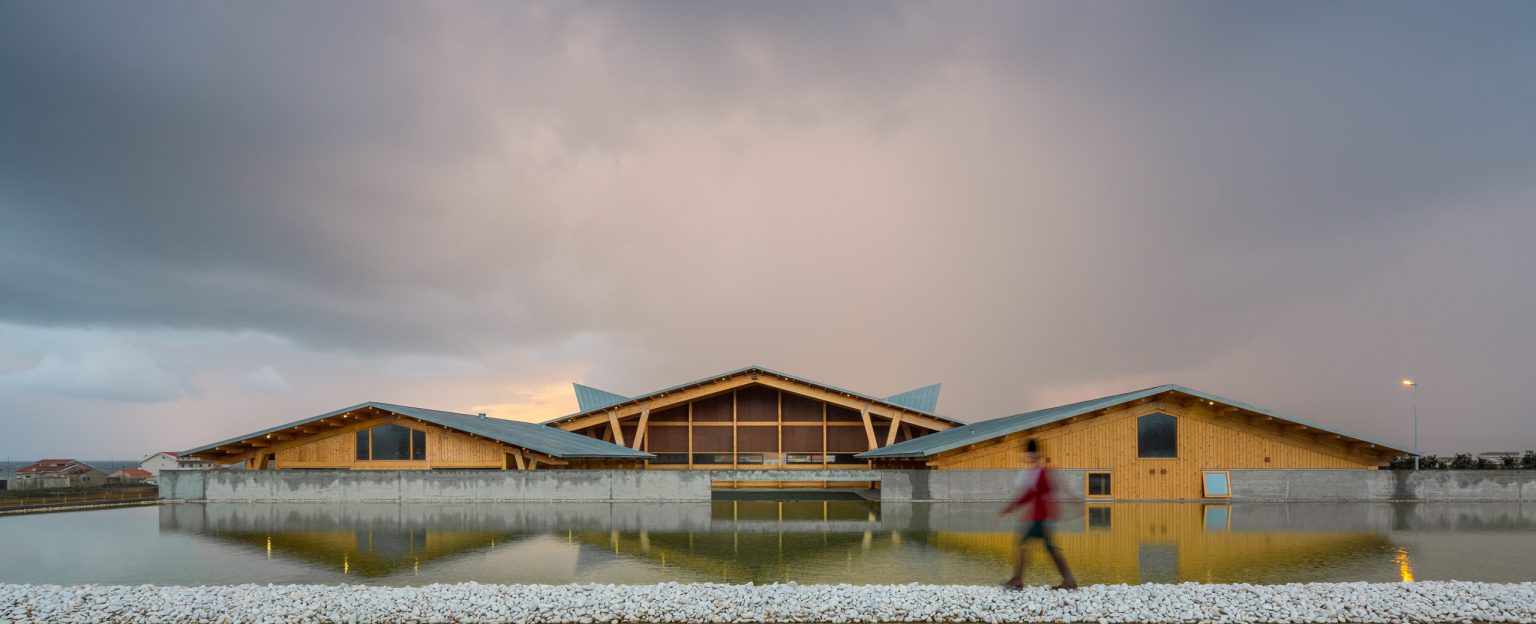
x: 1404, y: 567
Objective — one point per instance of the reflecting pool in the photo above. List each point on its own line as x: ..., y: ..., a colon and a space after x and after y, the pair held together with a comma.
x: 762, y: 541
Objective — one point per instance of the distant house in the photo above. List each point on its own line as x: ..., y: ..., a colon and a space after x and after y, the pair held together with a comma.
x: 58, y: 473
x: 170, y: 460
x: 130, y: 475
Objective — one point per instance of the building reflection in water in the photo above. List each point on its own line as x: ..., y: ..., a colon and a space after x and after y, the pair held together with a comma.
x: 808, y: 541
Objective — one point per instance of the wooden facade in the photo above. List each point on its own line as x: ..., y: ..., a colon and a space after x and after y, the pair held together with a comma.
x: 347, y: 441
x: 1208, y: 436
x: 754, y: 419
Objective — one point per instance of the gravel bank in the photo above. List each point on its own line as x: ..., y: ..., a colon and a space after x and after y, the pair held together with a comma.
x: 669, y: 602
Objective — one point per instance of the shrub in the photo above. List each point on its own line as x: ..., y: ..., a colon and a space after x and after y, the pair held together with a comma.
x: 1528, y: 461
x: 1463, y: 461
x: 1510, y: 462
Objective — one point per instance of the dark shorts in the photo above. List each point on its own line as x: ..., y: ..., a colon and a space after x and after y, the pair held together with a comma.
x: 1034, y: 530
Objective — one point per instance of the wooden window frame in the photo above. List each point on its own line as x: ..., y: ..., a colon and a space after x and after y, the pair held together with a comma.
x: 1088, y: 480
x: 1225, y: 475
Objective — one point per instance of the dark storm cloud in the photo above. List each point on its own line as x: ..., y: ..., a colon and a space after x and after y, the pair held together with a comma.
x: 1025, y: 201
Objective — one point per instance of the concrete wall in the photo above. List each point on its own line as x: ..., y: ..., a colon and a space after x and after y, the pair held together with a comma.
x: 1253, y: 485
x: 1384, y: 485
x: 895, y: 485
x: 968, y: 485
x: 435, y: 485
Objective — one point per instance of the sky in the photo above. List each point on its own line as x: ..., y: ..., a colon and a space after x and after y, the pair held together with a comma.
x: 216, y: 217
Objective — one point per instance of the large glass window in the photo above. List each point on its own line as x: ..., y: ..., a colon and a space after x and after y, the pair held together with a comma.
x: 1157, y: 436
x: 391, y: 442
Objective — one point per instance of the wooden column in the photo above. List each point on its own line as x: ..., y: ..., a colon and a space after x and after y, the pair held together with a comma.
x: 734, y: 445
x: 690, y: 435
x: 780, y: 396
x: 824, y: 462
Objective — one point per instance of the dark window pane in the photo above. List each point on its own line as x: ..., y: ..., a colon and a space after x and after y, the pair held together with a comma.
x: 418, y: 445
x: 711, y: 458
x: 802, y: 458
x: 670, y: 458
x: 1157, y: 435
x: 391, y: 442
x: 1098, y: 484
x: 843, y: 458
x: 749, y: 458
x: 362, y: 445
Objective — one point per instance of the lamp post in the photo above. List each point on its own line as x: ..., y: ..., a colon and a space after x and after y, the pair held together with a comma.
x: 1413, y: 387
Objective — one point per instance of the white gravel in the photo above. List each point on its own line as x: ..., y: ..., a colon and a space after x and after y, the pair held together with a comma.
x: 672, y: 602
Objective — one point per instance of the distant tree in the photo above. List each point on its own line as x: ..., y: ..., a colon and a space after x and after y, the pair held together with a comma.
x: 1463, y: 461
x: 1510, y: 462
x: 1431, y: 462
x: 1528, y: 461
x: 1482, y: 463
x: 1401, y: 462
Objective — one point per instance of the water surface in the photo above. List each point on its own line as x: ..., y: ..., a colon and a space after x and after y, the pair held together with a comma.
x: 762, y: 541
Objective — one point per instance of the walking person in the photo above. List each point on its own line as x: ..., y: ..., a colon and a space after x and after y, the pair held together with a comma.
x: 1034, y: 501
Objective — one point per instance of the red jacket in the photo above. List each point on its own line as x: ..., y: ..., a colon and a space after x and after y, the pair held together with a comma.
x: 1038, y: 493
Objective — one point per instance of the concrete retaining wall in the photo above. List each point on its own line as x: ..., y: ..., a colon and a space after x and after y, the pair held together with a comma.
x: 1251, y: 485
x: 895, y: 485
x: 1384, y: 485
x: 435, y: 485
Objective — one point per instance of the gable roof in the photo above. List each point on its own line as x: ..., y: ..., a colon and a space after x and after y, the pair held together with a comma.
x: 950, y: 439
x: 51, y: 465
x: 547, y: 440
x: 918, y: 403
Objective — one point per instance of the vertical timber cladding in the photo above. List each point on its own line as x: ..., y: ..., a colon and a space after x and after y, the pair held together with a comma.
x: 337, y: 448
x: 757, y: 425
x: 1206, y: 439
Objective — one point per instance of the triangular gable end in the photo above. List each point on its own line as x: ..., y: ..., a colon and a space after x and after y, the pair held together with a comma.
x: 924, y: 399
x: 589, y: 398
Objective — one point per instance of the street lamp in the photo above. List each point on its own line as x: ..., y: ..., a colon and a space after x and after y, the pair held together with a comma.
x: 1413, y: 386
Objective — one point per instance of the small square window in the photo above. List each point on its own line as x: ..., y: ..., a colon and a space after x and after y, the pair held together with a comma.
x: 1099, y: 484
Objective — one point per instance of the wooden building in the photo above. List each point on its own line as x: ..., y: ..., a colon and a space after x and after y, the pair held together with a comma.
x: 1162, y: 443
x: 380, y: 436
x: 755, y: 418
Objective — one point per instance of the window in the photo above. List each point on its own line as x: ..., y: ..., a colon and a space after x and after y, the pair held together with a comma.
x: 749, y: 458
x: 670, y: 458
x: 802, y: 458
x: 1215, y: 484
x: 1099, y: 484
x: 1157, y: 436
x: 391, y: 442
x: 711, y: 458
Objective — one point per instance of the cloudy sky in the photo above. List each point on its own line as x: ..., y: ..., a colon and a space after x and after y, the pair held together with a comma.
x: 215, y: 217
